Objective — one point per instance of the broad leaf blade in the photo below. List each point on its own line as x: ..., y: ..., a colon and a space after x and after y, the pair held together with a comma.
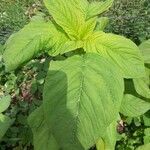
x: 67, y: 14
x: 23, y: 45
x: 145, y: 48
x: 85, y: 99
x: 96, y: 8
x: 108, y: 141
x: 32, y: 39
x: 42, y: 137
x: 142, y: 85
x: 144, y: 147
x: 4, y: 103
x: 132, y: 106
x: 142, y: 88
x: 66, y: 47
x: 71, y: 16
x: 110, y: 138
x: 5, y: 123
x: 123, y: 52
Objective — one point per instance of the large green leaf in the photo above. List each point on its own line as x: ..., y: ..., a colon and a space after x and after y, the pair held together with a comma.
x: 142, y: 84
x: 67, y: 14
x: 132, y: 106
x: 33, y: 38
x: 110, y: 137
x: 42, y: 137
x: 123, y: 52
x: 4, y: 103
x: 63, y: 45
x: 5, y: 123
x: 71, y: 16
x: 101, y: 23
x: 66, y: 47
x: 142, y: 88
x: 96, y: 8
x: 144, y: 147
x: 84, y: 101
x: 100, y: 145
x: 145, y: 48
x: 108, y: 142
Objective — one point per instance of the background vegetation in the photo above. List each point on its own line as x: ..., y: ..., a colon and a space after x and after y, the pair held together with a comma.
x: 128, y: 18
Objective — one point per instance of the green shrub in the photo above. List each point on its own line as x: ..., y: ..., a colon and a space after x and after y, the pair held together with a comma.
x: 130, y: 18
x: 14, y: 14
x: 12, y: 18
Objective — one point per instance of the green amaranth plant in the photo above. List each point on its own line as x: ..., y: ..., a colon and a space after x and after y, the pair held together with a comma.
x: 83, y: 94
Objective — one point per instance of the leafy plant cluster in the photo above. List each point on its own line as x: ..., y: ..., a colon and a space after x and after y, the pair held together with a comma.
x: 94, y: 78
x: 25, y: 88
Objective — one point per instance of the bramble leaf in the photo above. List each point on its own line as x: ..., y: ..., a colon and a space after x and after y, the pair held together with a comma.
x: 133, y: 106
x: 85, y: 99
x: 123, y: 52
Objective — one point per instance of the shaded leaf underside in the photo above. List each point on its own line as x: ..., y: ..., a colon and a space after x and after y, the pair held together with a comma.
x: 85, y: 99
